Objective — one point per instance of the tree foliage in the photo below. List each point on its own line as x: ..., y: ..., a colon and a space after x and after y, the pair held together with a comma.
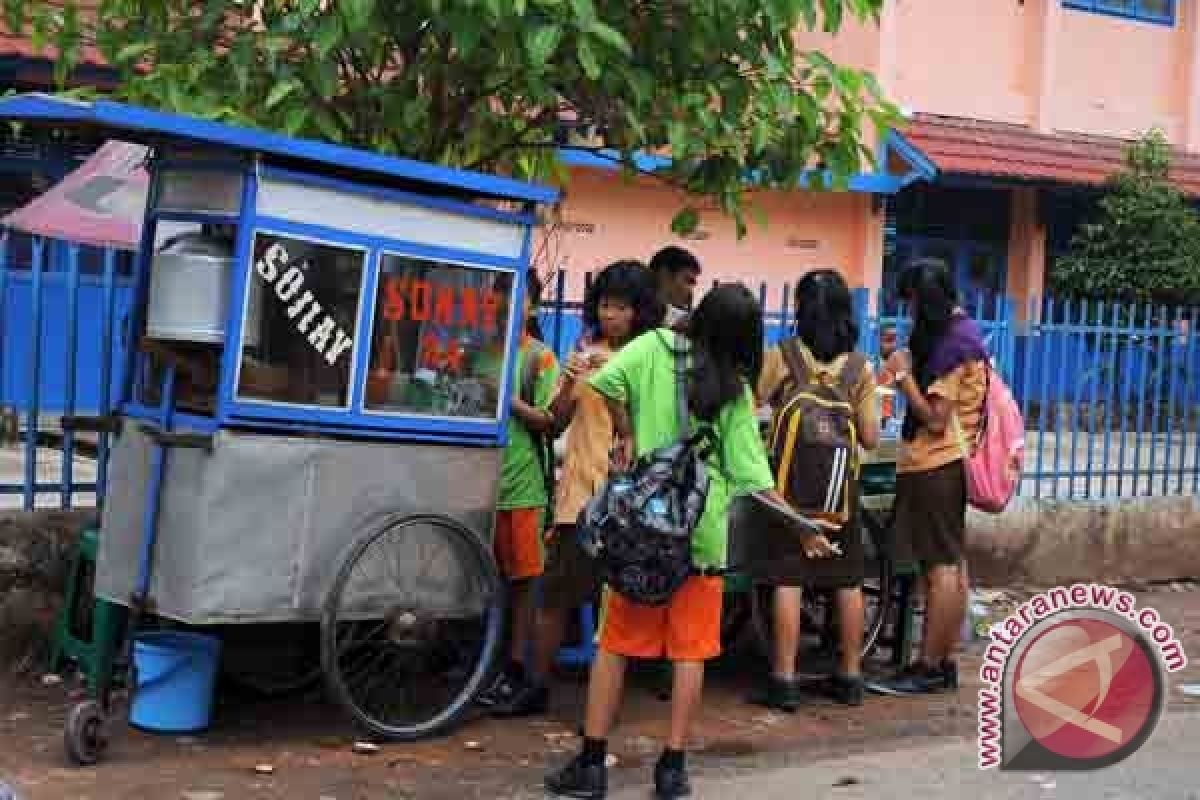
x: 489, y: 84
x: 1144, y: 242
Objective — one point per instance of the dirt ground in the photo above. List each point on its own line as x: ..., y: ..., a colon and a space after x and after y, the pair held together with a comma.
x: 309, y: 744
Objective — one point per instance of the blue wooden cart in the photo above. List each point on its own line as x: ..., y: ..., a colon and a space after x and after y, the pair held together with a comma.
x: 315, y: 404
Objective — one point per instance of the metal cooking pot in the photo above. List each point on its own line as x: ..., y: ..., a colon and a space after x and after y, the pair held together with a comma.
x: 190, y: 281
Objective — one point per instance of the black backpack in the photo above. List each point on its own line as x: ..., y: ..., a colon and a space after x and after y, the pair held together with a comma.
x: 543, y: 445
x: 639, y: 527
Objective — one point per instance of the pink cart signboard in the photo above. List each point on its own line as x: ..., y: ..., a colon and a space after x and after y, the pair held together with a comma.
x: 100, y: 204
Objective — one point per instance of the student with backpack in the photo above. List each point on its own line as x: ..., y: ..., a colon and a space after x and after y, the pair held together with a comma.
x: 823, y: 394
x: 668, y: 392
x: 943, y: 377
x: 523, y: 498
x: 621, y: 304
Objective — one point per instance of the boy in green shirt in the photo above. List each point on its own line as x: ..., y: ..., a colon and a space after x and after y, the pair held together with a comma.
x: 521, y: 513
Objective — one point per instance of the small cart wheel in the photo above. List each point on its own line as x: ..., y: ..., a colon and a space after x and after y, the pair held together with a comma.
x: 412, y: 626
x: 85, y: 736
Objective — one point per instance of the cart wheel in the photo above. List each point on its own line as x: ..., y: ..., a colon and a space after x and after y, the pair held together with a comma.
x: 412, y: 626
x: 85, y: 736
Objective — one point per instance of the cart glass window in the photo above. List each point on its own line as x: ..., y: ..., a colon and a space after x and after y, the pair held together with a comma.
x: 439, y: 341
x: 298, y: 332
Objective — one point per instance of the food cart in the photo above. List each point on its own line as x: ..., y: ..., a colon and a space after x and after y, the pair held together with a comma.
x: 314, y: 405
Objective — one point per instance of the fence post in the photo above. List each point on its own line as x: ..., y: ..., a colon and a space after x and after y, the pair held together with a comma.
x: 560, y: 294
x: 867, y: 340
x: 3, y: 313
x: 35, y: 369
x: 107, y: 318
x: 72, y: 341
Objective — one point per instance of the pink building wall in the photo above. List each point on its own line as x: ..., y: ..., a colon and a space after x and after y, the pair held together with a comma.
x: 1032, y: 63
x: 604, y: 218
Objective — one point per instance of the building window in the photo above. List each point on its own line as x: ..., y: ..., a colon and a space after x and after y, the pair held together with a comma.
x: 1160, y: 11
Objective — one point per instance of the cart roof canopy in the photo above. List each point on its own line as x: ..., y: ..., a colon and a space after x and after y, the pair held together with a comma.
x: 157, y: 128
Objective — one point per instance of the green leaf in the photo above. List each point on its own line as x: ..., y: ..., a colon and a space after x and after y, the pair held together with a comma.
x: 328, y: 36
x: 542, y: 42
x: 611, y: 37
x: 134, y: 51
x: 278, y: 94
x: 587, y: 59
x: 585, y: 13
x: 685, y: 221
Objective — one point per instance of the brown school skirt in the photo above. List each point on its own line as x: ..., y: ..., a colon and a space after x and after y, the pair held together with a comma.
x: 780, y: 561
x: 931, y: 515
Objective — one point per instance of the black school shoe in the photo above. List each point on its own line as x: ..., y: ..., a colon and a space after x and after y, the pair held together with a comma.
x: 523, y: 699
x: 670, y: 782
x: 578, y: 779
x: 848, y: 690
x: 919, y: 678
x: 778, y: 694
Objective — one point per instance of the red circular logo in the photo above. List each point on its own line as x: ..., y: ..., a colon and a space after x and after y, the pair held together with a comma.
x: 1085, y: 689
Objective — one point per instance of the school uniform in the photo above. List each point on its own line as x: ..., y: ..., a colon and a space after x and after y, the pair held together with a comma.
x: 688, y: 628
x: 783, y: 562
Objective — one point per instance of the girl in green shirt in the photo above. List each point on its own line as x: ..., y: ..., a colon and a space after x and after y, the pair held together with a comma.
x: 725, y: 339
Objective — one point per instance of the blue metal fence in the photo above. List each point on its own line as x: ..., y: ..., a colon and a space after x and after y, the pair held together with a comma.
x: 1108, y: 389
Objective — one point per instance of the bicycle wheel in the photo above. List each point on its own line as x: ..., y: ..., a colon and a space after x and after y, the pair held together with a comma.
x: 412, y: 626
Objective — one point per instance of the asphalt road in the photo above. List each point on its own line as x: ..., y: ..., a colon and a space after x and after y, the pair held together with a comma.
x: 1167, y: 768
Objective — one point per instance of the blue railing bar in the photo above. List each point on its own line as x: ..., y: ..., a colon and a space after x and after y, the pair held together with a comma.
x: 1062, y: 473
x: 1095, y: 361
x: 1027, y: 368
x: 1162, y: 346
x: 1126, y: 394
x: 1110, y: 390
x: 1140, y: 409
x: 72, y: 325
x: 1044, y: 394
x: 1070, y: 360
x: 560, y: 293
x: 1189, y: 402
x: 107, y: 321
x: 1063, y: 351
x: 1172, y: 348
x: 3, y: 306
x: 35, y: 364
x: 42, y: 488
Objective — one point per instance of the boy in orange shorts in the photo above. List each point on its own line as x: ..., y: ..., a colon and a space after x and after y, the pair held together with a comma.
x: 521, y: 513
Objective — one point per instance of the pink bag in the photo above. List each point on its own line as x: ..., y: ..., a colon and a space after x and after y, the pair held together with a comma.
x: 994, y: 467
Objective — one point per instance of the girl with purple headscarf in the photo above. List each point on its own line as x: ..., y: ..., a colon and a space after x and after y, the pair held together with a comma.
x: 943, y: 376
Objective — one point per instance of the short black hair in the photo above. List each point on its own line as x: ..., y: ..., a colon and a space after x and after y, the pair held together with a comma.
x: 825, y: 314
x: 674, y: 260
x: 629, y: 282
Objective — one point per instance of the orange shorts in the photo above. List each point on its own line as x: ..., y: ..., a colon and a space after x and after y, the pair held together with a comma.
x: 688, y: 628
x: 518, y: 543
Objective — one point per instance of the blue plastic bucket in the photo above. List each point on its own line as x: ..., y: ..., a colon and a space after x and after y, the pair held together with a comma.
x: 176, y: 676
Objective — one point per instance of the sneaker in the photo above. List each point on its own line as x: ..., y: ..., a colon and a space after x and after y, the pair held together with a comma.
x: 917, y: 678
x: 778, y: 694
x: 949, y: 671
x: 671, y: 782
x: 525, y: 700
x: 847, y: 689
x: 577, y: 779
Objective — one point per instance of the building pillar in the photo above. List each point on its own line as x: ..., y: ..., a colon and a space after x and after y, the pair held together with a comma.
x: 872, y: 217
x: 1189, y: 17
x: 1026, y: 251
x: 1047, y: 61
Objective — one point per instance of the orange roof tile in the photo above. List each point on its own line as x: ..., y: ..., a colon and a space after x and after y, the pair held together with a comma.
x: 999, y: 150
